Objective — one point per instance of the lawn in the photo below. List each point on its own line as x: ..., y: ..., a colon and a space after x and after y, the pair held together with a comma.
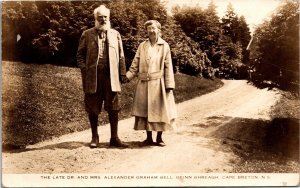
x: 44, y: 101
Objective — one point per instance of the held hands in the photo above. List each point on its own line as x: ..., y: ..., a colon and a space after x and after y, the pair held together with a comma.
x: 124, y: 79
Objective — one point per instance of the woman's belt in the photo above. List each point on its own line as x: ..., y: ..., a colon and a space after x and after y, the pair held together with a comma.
x: 150, y: 76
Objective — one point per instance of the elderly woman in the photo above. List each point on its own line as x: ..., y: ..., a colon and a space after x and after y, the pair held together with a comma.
x: 153, y: 106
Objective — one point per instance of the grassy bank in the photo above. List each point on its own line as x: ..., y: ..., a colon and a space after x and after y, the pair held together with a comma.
x: 44, y: 101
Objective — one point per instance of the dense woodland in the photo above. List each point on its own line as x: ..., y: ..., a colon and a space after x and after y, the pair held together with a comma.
x: 202, y: 43
x: 275, y: 48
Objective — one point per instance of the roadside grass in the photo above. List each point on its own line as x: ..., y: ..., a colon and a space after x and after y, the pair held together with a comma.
x: 265, y: 146
x: 40, y: 102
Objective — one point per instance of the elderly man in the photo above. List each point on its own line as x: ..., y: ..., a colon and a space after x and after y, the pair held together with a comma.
x: 101, y: 59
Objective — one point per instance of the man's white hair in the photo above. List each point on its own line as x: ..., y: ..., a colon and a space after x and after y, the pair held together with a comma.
x: 102, y: 10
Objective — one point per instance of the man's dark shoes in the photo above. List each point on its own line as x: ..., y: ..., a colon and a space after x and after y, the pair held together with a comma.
x: 95, y: 141
x: 116, y: 142
x: 160, y: 142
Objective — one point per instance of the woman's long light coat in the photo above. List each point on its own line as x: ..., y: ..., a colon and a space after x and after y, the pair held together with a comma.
x: 151, y: 99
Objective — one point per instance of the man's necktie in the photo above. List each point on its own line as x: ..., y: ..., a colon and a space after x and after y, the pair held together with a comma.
x: 101, y: 34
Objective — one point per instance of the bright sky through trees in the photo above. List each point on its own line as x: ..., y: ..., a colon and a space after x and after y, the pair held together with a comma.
x: 255, y: 11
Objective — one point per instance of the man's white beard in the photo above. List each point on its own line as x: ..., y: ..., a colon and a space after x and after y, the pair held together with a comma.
x: 102, y: 27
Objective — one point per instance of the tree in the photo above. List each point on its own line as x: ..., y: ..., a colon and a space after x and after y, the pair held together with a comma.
x: 245, y: 37
x: 186, y: 53
x: 200, y: 25
x: 22, y: 21
x: 129, y: 21
x: 214, y: 34
x: 230, y: 24
x: 222, y: 41
x: 190, y: 19
x: 50, y: 30
x: 153, y: 9
x: 233, y: 28
x: 278, y: 47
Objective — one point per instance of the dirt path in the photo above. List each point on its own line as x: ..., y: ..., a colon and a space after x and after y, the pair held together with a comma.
x: 190, y: 148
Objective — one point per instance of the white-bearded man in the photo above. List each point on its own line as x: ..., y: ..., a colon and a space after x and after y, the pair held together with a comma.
x: 101, y: 59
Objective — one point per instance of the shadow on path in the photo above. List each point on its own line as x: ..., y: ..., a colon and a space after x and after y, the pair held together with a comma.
x: 279, y: 136
x: 261, y: 146
x: 70, y: 146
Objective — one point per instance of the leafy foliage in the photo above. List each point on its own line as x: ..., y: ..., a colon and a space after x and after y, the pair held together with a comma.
x: 224, y: 41
x: 245, y: 38
x: 237, y: 30
x: 230, y: 24
x: 277, y: 45
x: 187, y: 55
x: 50, y: 30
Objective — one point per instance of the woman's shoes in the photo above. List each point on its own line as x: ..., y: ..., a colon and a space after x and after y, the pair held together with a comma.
x: 160, y: 142
x: 148, y: 142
